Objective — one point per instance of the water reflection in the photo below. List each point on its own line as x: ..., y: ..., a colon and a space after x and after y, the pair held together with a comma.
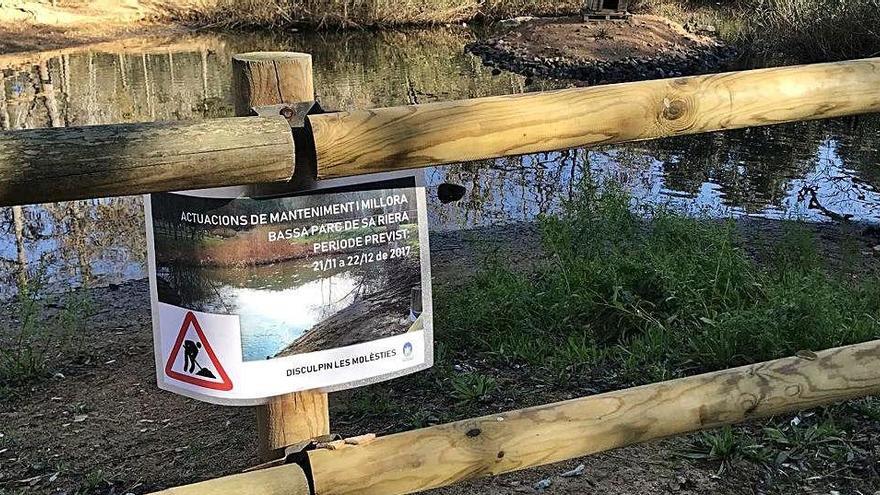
x: 813, y: 170
x: 283, y: 315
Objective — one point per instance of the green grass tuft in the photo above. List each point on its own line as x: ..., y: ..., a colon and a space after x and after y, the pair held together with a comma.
x: 655, y: 295
x: 38, y: 333
x: 469, y: 388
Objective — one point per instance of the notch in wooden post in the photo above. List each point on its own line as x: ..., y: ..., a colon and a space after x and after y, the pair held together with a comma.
x: 262, y: 79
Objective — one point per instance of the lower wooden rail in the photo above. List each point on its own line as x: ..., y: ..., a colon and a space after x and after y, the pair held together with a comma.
x: 281, y: 480
x: 433, y: 457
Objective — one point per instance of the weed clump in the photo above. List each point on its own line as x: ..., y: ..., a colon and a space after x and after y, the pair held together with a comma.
x: 40, y: 333
x: 654, y: 295
x: 801, y: 30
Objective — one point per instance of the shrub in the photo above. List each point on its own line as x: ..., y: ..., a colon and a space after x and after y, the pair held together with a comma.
x: 39, y: 334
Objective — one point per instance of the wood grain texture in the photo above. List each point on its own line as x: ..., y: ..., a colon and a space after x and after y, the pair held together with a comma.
x: 269, y: 78
x: 281, y: 480
x: 290, y: 419
x: 45, y: 165
x: 365, y: 141
x: 432, y: 457
x: 265, y: 79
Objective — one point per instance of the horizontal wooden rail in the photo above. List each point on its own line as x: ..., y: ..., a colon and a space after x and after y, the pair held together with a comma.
x: 55, y: 164
x: 384, y: 139
x: 433, y: 457
x: 282, y: 480
x: 42, y: 165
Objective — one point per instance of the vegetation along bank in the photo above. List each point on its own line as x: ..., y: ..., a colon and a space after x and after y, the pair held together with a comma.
x: 802, y: 30
x: 792, y: 30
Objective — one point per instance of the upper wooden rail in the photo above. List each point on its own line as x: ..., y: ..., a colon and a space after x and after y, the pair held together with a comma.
x: 43, y: 165
x: 56, y: 164
x: 365, y: 141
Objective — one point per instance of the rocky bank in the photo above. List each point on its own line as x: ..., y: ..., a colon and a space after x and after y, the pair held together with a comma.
x: 600, y: 52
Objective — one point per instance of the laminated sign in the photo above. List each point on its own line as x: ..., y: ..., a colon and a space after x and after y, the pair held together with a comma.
x: 256, y: 296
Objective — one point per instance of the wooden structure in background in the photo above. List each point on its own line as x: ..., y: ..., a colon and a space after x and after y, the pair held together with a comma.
x: 260, y: 80
x: 605, y: 9
x: 56, y: 164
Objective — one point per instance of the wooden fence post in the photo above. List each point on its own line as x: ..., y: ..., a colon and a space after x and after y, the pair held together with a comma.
x: 263, y: 79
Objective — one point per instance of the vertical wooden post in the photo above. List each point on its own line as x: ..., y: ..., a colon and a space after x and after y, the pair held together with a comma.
x: 270, y: 78
x: 263, y: 79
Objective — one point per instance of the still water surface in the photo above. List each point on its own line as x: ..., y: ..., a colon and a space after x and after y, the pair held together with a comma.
x: 278, y: 314
x: 779, y: 172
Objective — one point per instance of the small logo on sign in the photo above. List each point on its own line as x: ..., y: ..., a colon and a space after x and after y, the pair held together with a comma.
x: 407, y: 351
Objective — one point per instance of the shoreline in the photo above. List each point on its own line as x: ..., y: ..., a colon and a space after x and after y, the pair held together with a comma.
x: 787, y: 31
x: 159, y: 39
x: 37, y: 26
x: 34, y: 26
x: 640, y: 48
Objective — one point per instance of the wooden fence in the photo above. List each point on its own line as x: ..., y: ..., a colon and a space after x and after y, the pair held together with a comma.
x: 79, y: 162
x: 433, y: 457
x: 44, y: 165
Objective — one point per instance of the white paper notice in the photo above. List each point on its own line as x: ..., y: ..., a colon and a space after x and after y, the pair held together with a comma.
x: 258, y: 297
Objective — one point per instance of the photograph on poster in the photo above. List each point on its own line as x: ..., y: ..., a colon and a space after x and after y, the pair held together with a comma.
x: 303, y: 273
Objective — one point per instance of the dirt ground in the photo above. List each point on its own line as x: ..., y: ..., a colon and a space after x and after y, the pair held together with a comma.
x: 641, y: 36
x: 37, y: 25
x: 101, y: 426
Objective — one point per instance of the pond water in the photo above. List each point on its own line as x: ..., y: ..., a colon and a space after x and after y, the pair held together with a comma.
x: 281, y: 313
x: 810, y: 170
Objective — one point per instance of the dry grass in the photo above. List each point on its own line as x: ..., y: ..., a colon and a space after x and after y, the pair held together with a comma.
x: 797, y: 30
x: 803, y: 30
x: 354, y: 13
x: 816, y: 30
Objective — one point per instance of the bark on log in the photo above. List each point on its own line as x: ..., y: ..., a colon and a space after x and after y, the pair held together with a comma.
x: 43, y: 165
